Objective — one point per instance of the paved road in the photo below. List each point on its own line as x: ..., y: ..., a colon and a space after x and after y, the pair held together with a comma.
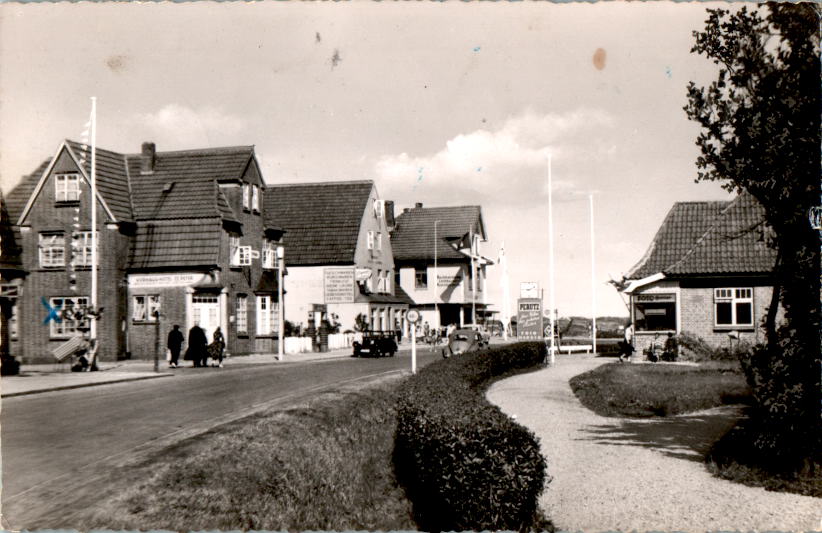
x: 55, y: 444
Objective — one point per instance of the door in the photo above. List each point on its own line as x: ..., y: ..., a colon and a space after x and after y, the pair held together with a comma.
x: 206, y: 312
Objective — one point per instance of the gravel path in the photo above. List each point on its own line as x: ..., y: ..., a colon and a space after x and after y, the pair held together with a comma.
x: 638, y: 474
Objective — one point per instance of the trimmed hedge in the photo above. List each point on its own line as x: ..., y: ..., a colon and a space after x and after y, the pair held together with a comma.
x: 463, y: 463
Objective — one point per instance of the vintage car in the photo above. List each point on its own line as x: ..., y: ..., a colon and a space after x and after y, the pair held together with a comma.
x: 482, y: 330
x: 463, y: 340
x: 376, y: 344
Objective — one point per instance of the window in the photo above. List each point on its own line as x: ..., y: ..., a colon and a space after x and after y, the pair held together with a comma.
x: 71, y: 311
x: 269, y: 254
x: 66, y: 187
x: 383, y: 281
x: 240, y: 255
x: 370, y: 240
x: 733, y: 307
x: 241, y: 320
x: 420, y: 278
x: 379, y: 240
x: 52, y: 250
x: 81, y: 248
x: 267, y: 316
x: 379, y: 208
x: 13, y: 320
x: 246, y: 194
x: 655, y: 312
x: 255, y: 199
x: 145, y: 308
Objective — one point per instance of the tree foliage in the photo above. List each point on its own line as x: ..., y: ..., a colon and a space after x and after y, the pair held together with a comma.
x: 760, y: 133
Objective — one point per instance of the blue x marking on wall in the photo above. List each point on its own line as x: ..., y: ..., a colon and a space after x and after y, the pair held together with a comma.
x: 54, y: 312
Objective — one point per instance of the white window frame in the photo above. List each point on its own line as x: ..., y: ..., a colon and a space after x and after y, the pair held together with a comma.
x: 234, y: 250
x: 67, y: 326
x: 269, y: 254
x: 13, y: 320
x: 379, y: 208
x: 241, y: 313
x: 246, y: 196
x: 733, y: 296
x: 370, y: 242
x: 144, y: 306
x: 67, y: 187
x: 52, y: 250
x: 255, y: 198
x: 379, y: 240
x: 264, y: 315
x: 81, y: 248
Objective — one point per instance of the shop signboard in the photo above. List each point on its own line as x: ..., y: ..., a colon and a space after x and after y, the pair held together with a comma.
x: 137, y: 281
x: 655, y: 298
x: 529, y: 318
x: 448, y: 280
x: 338, y: 285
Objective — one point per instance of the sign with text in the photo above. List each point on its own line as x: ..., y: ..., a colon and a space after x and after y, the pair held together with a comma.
x: 448, y: 280
x: 136, y: 281
x: 529, y: 318
x: 339, y: 285
x: 655, y: 297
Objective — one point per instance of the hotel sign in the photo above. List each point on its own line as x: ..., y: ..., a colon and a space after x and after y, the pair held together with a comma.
x: 138, y: 281
x: 338, y: 286
x: 529, y: 318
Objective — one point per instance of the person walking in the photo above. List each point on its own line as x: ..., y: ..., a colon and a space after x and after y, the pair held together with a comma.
x: 197, y: 345
x: 626, y: 347
x: 175, y: 344
x: 216, y: 348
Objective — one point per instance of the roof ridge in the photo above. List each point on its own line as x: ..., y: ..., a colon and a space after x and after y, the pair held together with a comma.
x: 328, y: 182
x: 201, y: 151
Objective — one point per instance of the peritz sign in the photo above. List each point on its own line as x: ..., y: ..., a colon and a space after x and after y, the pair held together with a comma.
x: 529, y: 318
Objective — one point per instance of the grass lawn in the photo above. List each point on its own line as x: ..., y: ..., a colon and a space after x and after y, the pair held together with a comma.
x: 325, y: 466
x: 641, y: 390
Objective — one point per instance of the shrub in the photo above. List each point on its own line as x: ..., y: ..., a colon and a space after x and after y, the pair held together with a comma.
x: 463, y: 463
x: 694, y: 348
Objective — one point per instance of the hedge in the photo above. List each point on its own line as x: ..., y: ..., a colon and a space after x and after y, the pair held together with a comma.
x: 463, y: 463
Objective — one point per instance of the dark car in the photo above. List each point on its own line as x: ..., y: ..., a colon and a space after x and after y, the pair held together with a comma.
x: 376, y: 344
x: 462, y: 341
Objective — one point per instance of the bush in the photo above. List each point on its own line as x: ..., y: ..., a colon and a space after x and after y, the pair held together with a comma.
x: 694, y: 348
x: 463, y: 463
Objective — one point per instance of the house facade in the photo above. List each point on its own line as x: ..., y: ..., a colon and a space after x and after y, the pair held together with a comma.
x: 181, y: 239
x: 338, y: 254
x: 439, y: 263
x: 707, y: 273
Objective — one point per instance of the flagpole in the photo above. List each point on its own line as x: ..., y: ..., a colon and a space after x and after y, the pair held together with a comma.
x: 93, y: 204
x: 593, y: 281
x: 506, y: 317
x: 552, y: 299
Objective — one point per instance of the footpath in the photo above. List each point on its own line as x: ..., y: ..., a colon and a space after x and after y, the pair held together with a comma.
x: 623, y: 474
x: 52, y: 377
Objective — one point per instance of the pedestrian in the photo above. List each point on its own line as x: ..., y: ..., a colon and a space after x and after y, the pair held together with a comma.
x: 175, y: 344
x: 670, y: 351
x: 216, y: 348
x: 197, y: 342
x: 626, y: 347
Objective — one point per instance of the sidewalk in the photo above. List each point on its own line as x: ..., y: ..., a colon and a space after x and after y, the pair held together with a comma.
x: 51, y: 377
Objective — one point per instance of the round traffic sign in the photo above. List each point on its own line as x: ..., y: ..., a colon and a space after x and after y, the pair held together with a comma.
x: 413, y: 315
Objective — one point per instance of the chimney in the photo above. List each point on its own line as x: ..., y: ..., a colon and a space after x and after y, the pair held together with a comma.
x: 406, y: 209
x: 148, y: 158
x: 389, y: 214
x: 418, y: 205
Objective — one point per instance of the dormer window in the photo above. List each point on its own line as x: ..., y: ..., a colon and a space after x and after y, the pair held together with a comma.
x: 67, y: 187
x: 246, y: 196
x: 255, y: 199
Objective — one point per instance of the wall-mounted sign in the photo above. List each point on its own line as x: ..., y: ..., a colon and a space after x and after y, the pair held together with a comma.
x: 448, y: 280
x: 529, y: 318
x: 338, y: 285
x: 137, y: 281
x: 650, y: 297
x: 528, y: 289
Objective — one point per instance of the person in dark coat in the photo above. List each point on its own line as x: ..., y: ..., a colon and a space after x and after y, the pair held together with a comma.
x: 175, y: 344
x: 197, y: 344
x: 216, y: 348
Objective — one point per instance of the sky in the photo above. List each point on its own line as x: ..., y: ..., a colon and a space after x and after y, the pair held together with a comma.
x: 440, y: 103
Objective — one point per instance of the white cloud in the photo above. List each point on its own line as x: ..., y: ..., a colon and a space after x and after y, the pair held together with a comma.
x: 176, y: 126
x: 508, y: 164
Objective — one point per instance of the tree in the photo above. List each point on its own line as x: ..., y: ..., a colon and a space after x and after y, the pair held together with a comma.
x: 761, y: 133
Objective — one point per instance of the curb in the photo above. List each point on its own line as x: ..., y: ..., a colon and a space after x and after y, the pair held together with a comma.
x: 82, y: 385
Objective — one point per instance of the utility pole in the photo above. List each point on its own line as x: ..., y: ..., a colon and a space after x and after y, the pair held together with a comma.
x: 280, y: 307
x: 593, y: 281
x: 436, y: 280
x: 551, y: 260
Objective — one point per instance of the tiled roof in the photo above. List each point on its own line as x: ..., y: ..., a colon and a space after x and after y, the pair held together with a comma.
x: 735, y: 244
x: 110, y: 175
x: 413, y: 236
x: 176, y: 243
x: 17, y: 199
x: 9, y: 247
x: 176, y: 187
x: 321, y: 220
x: 704, y: 238
x: 402, y: 296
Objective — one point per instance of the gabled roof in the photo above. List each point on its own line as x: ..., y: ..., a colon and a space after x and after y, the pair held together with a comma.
x: 321, y: 220
x: 17, y: 199
x: 709, y: 238
x: 111, y: 178
x: 10, y: 260
x: 413, y: 235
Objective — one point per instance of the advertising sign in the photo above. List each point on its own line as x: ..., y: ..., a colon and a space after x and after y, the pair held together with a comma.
x: 448, y: 280
x: 529, y: 318
x: 339, y: 285
x: 137, y: 281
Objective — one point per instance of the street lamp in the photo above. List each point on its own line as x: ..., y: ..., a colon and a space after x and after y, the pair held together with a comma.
x: 436, y: 279
x: 280, y: 317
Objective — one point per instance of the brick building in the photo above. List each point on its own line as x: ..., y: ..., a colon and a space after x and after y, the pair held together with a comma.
x: 182, y: 238
x: 706, y: 273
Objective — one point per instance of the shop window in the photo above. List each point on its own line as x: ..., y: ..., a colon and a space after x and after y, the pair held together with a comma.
x: 733, y: 307
x: 146, y: 307
x: 241, y: 320
x: 81, y: 248
x: 52, y: 250
x: 655, y: 312
x: 246, y: 196
x: 72, y: 316
x: 67, y: 188
x: 421, y: 278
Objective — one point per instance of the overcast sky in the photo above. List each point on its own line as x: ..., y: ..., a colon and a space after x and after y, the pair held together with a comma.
x: 440, y: 103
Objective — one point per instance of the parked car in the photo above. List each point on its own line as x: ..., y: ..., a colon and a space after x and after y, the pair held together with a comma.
x: 482, y: 330
x: 376, y: 344
x: 461, y: 341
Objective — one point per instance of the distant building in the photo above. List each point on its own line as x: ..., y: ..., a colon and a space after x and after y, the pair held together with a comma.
x: 439, y: 264
x: 338, y: 257
x: 708, y: 272
x: 182, y: 239
x: 11, y: 279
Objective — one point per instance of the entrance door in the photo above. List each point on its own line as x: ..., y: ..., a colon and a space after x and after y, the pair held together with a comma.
x: 206, y: 311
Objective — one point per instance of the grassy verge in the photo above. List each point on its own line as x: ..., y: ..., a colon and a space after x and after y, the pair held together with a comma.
x: 641, y: 390
x: 326, y: 466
